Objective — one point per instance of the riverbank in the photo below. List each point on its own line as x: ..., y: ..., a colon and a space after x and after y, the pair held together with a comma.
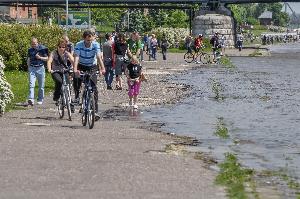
x: 122, y: 157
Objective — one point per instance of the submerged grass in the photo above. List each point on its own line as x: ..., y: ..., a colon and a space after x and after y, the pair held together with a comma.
x: 20, y: 87
x: 226, y: 61
x: 292, y: 184
x: 221, y: 130
x: 234, y: 177
x: 217, y: 89
x: 256, y: 53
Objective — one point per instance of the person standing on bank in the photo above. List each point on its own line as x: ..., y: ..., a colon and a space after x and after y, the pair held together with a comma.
x: 37, y: 56
x: 164, y: 46
x: 87, y: 57
x: 108, y: 56
x: 57, y: 62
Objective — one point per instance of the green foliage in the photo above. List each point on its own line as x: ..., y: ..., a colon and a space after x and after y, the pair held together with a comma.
x: 233, y: 176
x: 172, y: 35
x: 221, y: 129
x: 250, y: 12
x: 15, y: 41
x: 226, y: 61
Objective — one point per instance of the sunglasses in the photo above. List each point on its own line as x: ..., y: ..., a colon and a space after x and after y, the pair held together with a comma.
x: 61, y: 47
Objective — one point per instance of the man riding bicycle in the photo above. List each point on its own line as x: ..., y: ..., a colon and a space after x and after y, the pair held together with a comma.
x: 87, y: 57
x: 198, y: 43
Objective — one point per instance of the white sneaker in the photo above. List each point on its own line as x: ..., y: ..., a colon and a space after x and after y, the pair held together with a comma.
x: 135, y: 106
x: 40, y: 102
x: 30, y: 102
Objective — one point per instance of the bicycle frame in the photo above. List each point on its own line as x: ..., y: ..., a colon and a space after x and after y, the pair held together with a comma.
x: 88, y: 103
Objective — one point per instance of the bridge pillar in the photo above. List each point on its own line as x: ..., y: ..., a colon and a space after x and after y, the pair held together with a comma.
x: 207, y: 21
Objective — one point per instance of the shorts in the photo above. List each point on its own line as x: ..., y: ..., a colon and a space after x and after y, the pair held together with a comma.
x: 119, y: 65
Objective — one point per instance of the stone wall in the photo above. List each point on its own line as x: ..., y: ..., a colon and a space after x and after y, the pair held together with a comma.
x: 210, y: 23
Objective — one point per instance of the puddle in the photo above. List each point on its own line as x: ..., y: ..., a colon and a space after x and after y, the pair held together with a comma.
x: 36, y: 124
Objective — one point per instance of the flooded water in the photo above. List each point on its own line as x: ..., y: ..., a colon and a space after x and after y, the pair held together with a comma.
x: 258, y: 104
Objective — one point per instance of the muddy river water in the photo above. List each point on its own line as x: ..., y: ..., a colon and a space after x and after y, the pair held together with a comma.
x: 259, y: 104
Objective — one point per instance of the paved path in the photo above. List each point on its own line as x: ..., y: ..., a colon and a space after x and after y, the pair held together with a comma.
x: 46, y: 157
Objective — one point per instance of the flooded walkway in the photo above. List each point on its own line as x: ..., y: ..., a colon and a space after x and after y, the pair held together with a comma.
x: 258, y: 102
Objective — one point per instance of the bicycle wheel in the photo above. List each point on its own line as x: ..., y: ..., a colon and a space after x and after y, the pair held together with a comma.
x: 91, y: 111
x: 188, y: 57
x: 83, y: 109
x: 60, y: 106
x: 68, y: 102
x: 204, y: 58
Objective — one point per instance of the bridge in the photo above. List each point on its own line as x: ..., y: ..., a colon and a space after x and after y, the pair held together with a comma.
x: 57, y: 2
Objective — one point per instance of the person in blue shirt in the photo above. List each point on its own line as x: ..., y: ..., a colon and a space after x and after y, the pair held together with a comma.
x: 87, y: 57
x: 37, y: 56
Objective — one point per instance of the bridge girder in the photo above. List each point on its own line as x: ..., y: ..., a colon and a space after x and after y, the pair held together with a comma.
x: 9, y: 2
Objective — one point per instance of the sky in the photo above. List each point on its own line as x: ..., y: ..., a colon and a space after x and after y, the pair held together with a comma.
x: 295, y: 6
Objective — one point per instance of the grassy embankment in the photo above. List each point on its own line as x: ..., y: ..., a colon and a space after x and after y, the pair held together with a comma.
x: 20, y: 86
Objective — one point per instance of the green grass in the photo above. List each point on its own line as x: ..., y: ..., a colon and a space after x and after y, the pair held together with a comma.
x: 20, y: 86
x: 226, y: 61
x: 234, y: 177
x: 221, y: 130
x: 176, y: 50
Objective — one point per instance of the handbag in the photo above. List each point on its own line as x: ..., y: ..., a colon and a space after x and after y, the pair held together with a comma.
x: 143, y: 77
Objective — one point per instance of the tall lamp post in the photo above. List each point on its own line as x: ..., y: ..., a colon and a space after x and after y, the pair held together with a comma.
x: 67, y: 16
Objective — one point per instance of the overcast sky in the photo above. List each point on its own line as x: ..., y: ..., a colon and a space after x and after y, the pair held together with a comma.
x: 295, y: 6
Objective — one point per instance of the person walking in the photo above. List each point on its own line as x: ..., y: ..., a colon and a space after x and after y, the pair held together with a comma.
x: 108, y: 56
x: 164, y: 47
x: 57, y: 62
x: 134, y: 44
x: 37, y: 56
x: 87, y: 57
x: 121, y: 50
x: 153, y: 45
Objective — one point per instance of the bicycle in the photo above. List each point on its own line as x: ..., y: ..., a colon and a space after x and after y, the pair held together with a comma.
x: 65, y: 96
x: 200, y: 55
x: 215, y: 57
x: 88, y: 101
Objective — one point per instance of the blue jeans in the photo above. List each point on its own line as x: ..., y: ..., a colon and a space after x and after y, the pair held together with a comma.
x: 39, y: 74
x: 109, y: 74
x: 153, y: 53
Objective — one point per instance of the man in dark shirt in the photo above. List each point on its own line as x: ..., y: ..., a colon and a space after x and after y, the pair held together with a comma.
x: 121, y: 51
x: 37, y: 56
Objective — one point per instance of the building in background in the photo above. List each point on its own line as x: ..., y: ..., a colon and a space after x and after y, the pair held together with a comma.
x: 21, y: 13
x: 265, y: 18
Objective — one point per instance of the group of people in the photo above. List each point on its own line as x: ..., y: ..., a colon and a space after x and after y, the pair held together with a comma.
x: 86, y: 55
x: 217, y: 41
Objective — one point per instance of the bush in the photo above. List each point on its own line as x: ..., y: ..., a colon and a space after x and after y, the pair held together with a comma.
x: 173, y: 35
x: 6, y: 94
x: 15, y: 40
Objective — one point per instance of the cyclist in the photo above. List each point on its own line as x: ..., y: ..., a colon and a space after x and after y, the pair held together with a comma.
x: 87, y: 57
x: 198, y: 43
x: 57, y: 62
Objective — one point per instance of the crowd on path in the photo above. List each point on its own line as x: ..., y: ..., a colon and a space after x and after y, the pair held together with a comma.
x: 116, y: 57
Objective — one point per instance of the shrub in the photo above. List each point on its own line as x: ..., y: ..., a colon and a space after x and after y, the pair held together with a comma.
x: 6, y: 94
x: 173, y: 35
x: 15, y: 40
